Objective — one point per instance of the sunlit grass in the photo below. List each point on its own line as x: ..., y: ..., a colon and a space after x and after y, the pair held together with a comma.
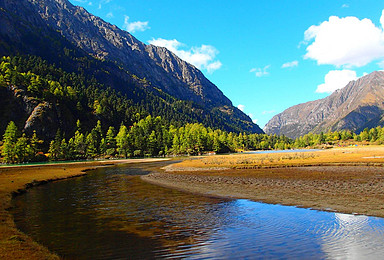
x: 367, y: 155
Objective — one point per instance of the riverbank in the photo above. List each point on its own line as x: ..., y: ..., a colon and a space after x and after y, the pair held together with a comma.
x: 347, y: 180
x: 17, y: 179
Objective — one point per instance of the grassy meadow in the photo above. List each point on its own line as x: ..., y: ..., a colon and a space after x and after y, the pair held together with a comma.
x: 354, y: 155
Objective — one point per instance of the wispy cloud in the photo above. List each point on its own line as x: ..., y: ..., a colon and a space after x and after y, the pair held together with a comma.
x: 101, y: 2
x: 137, y: 26
x: 84, y: 1
x: 203, y: 57
x: 290, y: 64
x: 110, y: 15
x: 260, y: 72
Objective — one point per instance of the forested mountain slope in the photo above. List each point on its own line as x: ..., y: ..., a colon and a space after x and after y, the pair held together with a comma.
x: 358, y: 105
x: 60, y: 42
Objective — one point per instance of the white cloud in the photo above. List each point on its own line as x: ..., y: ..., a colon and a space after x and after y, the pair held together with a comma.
x: 336, y: 79
x: 241, y: 107
x: 214, y: 66
x: 290, y: 64
x: 110, y: 15
x: 347, y: 42
x: 260, y: 72
x: 345, y: 6
x: 202, y: 57
x: 134, y: 26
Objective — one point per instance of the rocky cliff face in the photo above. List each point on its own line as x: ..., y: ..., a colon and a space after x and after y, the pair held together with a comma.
x: 358, y: 105
x: 33, y: 114
x: 160, y: 67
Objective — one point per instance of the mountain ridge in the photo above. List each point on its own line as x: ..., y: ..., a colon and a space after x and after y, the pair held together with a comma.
x: 106, y: 41
x: 353, y: 107
x: 25, y: 32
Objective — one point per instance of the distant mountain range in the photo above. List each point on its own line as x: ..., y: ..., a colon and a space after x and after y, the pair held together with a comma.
x: 153, y: 79
x: 358, y: 105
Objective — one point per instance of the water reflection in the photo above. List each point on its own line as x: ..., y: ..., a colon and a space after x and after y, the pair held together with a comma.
x: 113, y: 214
x: 354, y: 237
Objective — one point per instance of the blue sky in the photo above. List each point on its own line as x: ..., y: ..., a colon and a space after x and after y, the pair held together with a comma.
x: 264, y: 55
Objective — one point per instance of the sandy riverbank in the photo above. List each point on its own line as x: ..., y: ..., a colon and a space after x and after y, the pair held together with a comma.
x: 329, y: 183
x: 15, y: 179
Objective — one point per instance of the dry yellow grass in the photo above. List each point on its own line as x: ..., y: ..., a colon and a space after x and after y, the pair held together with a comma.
x: 367, y: 155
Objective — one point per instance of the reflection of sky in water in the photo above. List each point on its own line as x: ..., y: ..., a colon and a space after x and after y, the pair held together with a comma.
x: 114, y: 216
x: 274, y: 231
x: 354, y: 237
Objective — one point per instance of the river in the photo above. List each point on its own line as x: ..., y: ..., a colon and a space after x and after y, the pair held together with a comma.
x: 112, y: 214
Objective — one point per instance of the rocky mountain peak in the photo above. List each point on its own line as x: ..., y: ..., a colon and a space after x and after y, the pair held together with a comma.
x: 159, y: 66
x: 358, y: 105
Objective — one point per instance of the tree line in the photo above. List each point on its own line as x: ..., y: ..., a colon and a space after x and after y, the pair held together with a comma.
x: 368, y: 135
x: 154, y: 136
x: 151, y: 136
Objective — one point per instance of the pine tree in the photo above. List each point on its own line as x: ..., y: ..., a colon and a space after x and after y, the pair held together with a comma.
x: 79, y: 145
x: 54, y: 147
x: 21, y: 149
x: 91, y: 145
x: 152, y: 144
x: 8, y: 150
x: 110, y: 141
x: 35, y: 142
x: 122, y: 141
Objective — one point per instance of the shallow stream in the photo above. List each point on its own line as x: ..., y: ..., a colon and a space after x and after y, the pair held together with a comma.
x: 111, y: 213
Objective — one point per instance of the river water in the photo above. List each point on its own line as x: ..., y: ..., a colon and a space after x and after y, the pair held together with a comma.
x: 112, y: 214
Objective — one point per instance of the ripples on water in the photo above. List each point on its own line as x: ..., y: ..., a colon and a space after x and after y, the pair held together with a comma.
x: 113, y: 214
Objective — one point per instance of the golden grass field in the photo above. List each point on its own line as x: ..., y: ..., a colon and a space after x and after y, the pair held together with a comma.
x: 360, y: 155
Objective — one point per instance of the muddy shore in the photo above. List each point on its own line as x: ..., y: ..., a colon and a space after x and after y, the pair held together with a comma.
x: 346, y: 189
x: 17, y: 179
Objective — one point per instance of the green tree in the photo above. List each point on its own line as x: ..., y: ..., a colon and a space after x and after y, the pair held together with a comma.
x: 91, y: 141
x: 110, y: 141
x: 34, y: 147
x: 55, y: 147
x: 122, y: 141
x: 10, y: 137
x: 22, y: 149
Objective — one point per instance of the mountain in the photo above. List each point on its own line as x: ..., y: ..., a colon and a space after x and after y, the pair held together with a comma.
x: 358, y: 105
x: 154, y: 80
